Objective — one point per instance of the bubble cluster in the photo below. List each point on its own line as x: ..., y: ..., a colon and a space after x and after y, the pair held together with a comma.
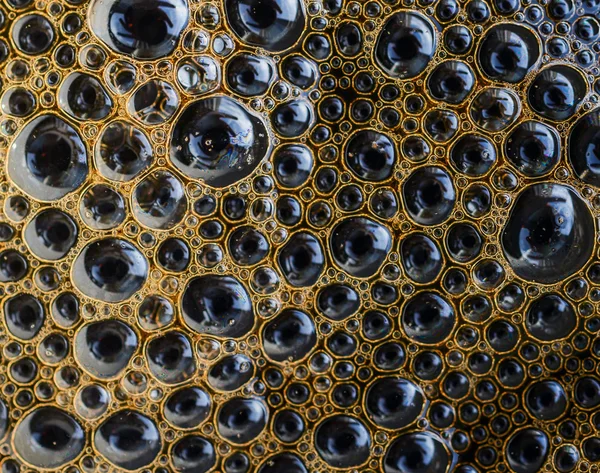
x: 286, y: 236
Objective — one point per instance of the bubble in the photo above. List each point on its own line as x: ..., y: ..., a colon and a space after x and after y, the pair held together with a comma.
x: 83, y: 97
x: 128, y: 439
x: 280, y: 462
x: 105, y: 348
x: 187, y: 408
x: 53, y: 348
x: 394, y: 403
x: 142, y: 29
x: 527, y: 450
x: 473, y: 155
x: 556, y: 92
x: 343, y: 441
x: 451, y: 82
x: 92, y: 401
x: 122, y: 152
x: 422, y: 258
x: 416, y: 452
x: 218, y: 141
x: 193, y: 454
x: 338, y: 301
x: 429, y: 195
x: 360, y: 246
x: 405, y: 45
x: 250, y: 75
x: 587, y: 392
x: 550, y: 318
x: 371, y: 155
x: 241, y: 420
x: 582, y: 154
x: 248, y: 246
x: 508, y: 52
x: 170, y: 358
x: 290, y: 336
x: 33, y: 34
x: 428, y: 318
x: 198, y: 75
x: 231, y: 373
x: 292, y: 119
x: 494, y: 109
x: 274, y: 25
x: 288, y: 426
x: 173, y: 255
x: 159, y: 201
x: 300, y: 71
x: 533, y: 148
x: 18, y: 102
x: 48, y: 437
x: 110, y: 270
x: 24, y: 316
x: 217, y: 305
x: 463, y: 242
x: 546, y: 237
x: 301, y: 260
x: 51, y: 234
x: 546, y: 400
x: 293, y: 164
x: 48, y: 159
x: 102, y: 208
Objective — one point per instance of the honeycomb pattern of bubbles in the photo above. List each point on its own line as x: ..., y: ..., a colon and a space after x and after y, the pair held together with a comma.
x: 299, y: 236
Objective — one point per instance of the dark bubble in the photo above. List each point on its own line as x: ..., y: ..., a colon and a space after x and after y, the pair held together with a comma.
x: 495, y: 109
x: 173, y: 255
x: 343, y: 441
x: 429, y: 195
x: 546, y: 400
x: 463, y: 242
x: 338, y: 301
x: 421, y: 258
x: 550, y: 317
x: 349, y: 39
x: 473, y: 155
x: 110, y: 270
x: 153, y: 103
x: 587, y: 392
x: 477, y: 200
x: 33, y: 34
x: 159, y: 201
x: 193, y: 454
x: 547, y: 238
x: 376, y: 325
x: 24, y: 316
x: 123, y: 152
x: 48, y: 159
x: 389, y: 357
x: 187, y: 408
x: 247, y: 246
x: 290, y: 336
x: 384, y: 203
x: 451, y: 82
x: 527, y: 450
x: 291, y: 119
x: 18, y: 102
x: 241, y: 420
x: 53, y: 348
x: 105, y: 348
x: 417, y: 452
x: 502, y: 335
x: 144, y: 29
x: 83, y: 97
x: 293, y: 164
x: 48, y: 438
x: 299, y: 71
x: 128, y: 440
x: 274, y: 25
x: 428, y: 318
x: 284, y: 462
x: 556, y: 92
x: 218, y: 140
x: 533, y: 148
x: 249, y: 75
x: 217, y: 305
x: 102, y: 208
x: 394, y: 403
x: 458, y: 39
x: 508, y: 52
x: 288, y: 426
x: 51, y: 234
x: 302, y: 259
x: 171, y: 358
x: 441, y: 125
x: 342, y: 344
x: 360, y: 246
x: 230, y: 373
x: 584, y: 146
x: 406, y: 45
x: 13, y: 266
x: 371, y: 155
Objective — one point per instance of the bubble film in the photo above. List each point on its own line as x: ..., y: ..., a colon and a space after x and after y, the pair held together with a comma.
x: 299, y: 236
